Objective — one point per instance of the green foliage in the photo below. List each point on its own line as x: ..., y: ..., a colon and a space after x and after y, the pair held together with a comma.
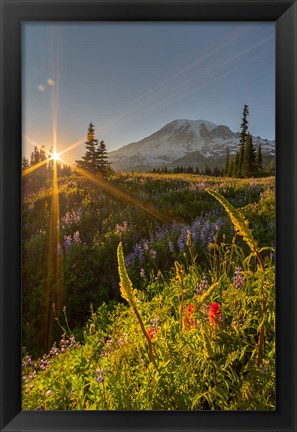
x: 205, y: 364
x: 239, y: 222
x: 92, y: 223
x: 126, y: 287
x: 203, y: 368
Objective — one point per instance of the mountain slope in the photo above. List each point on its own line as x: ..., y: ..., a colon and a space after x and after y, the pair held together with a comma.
x: 182, y: 142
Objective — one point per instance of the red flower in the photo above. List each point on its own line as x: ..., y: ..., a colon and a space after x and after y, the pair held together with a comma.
x: 215, y: 314
x: 151, y: 332
x: 189, y: 321
x: 189, y: 309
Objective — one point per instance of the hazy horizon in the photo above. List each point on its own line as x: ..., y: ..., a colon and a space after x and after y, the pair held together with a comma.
x: 130, y: 79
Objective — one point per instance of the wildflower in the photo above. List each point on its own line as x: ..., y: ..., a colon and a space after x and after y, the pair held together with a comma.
x: 238, y: 279
x: 155, y: 322
x: 181, y: 243
x: 153, y: 254
x: 142, y: 273
x: 123, y: 340
x: 71, y: 218
x: 189, y: 320
x: 215, y: 315
x: 100, y: 376
x: 171, y: 246
x: 67, y: 241
x: 202, y: 286
x: 151, y: 332
x: 76, y: 238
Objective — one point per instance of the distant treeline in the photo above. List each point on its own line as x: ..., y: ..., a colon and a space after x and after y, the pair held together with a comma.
x: 216, y: 172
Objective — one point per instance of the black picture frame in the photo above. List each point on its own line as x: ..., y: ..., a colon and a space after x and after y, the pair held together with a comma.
x: 13, y: 13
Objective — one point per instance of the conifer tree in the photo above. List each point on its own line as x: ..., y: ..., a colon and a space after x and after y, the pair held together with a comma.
x: 243, y: 139
x: 236, y: 166
x: 25, y: 163
x: 89, y: 160
x: 35, y: 156
x: 42, y: 154
x: 231, y: 168
x: 226, y: 170
x: 102, y: 164
x: 259, y: 158
x: 249, y: 163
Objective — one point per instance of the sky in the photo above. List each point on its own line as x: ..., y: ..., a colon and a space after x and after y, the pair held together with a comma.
x: 130, y: 79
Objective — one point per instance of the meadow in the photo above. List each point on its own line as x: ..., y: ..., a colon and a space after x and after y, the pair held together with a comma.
x: 149, y: 292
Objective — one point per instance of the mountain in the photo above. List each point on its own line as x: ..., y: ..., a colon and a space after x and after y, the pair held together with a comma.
x: 184, y: 142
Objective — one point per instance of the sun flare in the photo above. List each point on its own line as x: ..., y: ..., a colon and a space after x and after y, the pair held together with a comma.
x: 56, y: 156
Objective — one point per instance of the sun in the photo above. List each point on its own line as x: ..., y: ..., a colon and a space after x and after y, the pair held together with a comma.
x: 56, y: 156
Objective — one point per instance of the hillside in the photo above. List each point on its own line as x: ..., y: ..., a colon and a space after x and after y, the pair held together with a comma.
x: 153, y: 316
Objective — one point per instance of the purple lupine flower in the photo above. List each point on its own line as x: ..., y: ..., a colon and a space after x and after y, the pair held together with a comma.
x: 100, y: 376
x: 155, y: 322
x: 202, y: 286
x: 71, y: 218
x: 76, y: 237
x: 67, y: 242
x: 171, y: 246
x: 238, y: 279
x: 181, y: 243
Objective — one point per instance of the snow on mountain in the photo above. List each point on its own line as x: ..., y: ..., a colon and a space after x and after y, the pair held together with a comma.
x: 176, y: 141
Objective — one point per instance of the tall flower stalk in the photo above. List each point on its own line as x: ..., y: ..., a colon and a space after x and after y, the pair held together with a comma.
x: 129, y: 293
x: 241, y: 227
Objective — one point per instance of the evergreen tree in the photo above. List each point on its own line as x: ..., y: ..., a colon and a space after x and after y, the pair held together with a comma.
x: 216, y: 172
x: 42, y: 154
x: 243, y: 139
x: 35, y: 158
x: 259, y: 158
x: 50, y: 163
x: 102, y: 164
x: 236, y: 166
x: 231, y: 168
x: 89, y: 160
x: 249, y: 167
x: 226, y: 170
x: 25, y: 163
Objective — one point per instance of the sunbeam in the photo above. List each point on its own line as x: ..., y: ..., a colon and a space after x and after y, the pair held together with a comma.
x: 123, y: 196
x: 34, y: 167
